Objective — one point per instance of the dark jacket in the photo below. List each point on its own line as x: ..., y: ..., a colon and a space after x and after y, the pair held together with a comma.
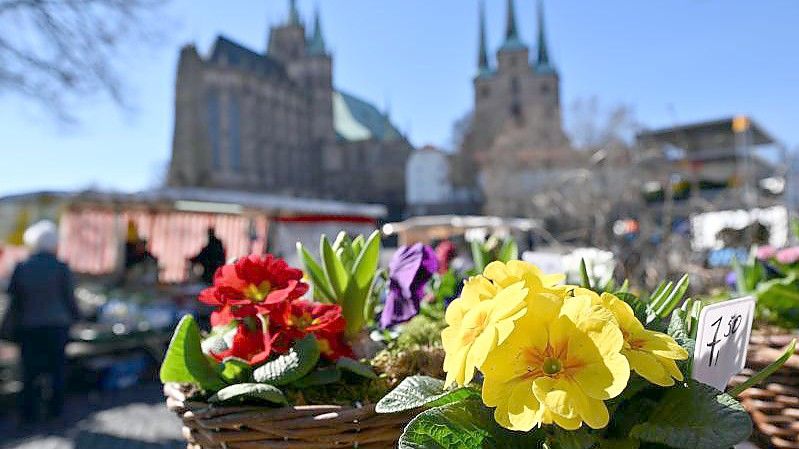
x: 42, y: 293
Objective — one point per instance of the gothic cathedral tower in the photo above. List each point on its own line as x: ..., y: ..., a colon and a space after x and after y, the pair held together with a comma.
x: 516, y: 122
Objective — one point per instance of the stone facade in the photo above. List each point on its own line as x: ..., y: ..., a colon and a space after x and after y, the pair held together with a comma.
x: 274, y: 122
x: 515, y: 141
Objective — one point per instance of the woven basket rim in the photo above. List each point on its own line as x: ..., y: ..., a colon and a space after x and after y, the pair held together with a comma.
x: 318, y: 426
x: 773, y: 403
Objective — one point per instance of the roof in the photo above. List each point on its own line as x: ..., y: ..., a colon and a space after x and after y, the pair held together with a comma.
x: 697, y: 136
x: 355, y: 120
x: 230, y: 53
x: 217, y: 200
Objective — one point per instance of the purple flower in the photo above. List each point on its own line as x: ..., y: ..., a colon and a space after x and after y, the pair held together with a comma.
x: 408, y: 272
x: 731, y: 279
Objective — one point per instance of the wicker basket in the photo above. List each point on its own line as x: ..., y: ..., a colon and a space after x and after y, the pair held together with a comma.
x: 300, y: 427
x: 773, y: 404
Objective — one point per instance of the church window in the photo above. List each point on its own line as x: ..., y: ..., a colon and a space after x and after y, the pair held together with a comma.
x: 545, y: 89
x: 485, y: 91
x: 234, y: 135
x: 213, y: 128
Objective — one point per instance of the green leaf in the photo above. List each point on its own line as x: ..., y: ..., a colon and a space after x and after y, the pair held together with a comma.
x: 571, y: 439
x: 670, y: 302
x: 355, y: 367
x: 777, y: 301
x: 509, y: 251
x: 343, y: 248
x: 656, y: 301
x: 321, y: 286
x: 287, y: 368
x: 334, y: 270
x: 765, y: 372
x: 366, y: 264
x: 479, y: 256
x: 185, y: 362
x: 359, y: 288
x: 466, y: 424
x: 585, y: 280
x: 619, y: 443
x: 678, y: 330
x: 417, y: 391
x: 740, y: 276
x: 340, y: 241
x: 236, y: 370
x: 249, y: 392
x: 695, y: 416
x: 357, y: 244
x: 319, y: 377
x: 625, y: 287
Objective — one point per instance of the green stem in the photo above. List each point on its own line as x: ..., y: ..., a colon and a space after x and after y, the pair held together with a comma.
x: 765, y: 372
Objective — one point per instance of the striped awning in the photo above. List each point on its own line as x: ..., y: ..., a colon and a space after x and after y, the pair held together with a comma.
x: 92, y: 240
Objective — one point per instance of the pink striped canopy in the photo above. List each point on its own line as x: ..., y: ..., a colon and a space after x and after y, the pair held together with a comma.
x: 92, y: 240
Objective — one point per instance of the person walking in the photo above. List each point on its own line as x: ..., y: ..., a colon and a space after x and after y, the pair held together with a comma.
x: 42, y: 310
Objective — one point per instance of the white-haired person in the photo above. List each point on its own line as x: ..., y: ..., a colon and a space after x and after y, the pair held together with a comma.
x: 43, y: 306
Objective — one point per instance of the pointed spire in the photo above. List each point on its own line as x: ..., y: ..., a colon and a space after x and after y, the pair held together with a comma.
x: 542, y: 62
x: 316, y: 46
x: 482, y: 54
x: 511, y: 32
x: 294, y: 15
x: 512, y: 40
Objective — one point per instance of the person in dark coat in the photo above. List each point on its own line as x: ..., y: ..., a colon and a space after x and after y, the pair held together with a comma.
x: 211, y: 257
x: 43, y: 308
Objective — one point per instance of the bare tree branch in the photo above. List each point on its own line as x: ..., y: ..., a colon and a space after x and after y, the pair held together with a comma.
x: 58, y: 51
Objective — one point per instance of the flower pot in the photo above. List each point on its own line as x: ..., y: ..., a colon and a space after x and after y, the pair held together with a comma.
x: 774, y: 403
x: 207, y: 426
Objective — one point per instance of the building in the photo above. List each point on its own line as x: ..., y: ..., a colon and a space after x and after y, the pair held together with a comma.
x: 274, y: 122
x: 516, y: 135
x: 729, y: 163
x: 427, y: 185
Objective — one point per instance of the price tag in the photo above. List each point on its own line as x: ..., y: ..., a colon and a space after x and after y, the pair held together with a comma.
x: 721, y: 341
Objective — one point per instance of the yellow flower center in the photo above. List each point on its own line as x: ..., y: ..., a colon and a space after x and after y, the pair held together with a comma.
x: 257, y: 293
x: 636, y: 344
x: 551, y: 366
x: 301, y: 321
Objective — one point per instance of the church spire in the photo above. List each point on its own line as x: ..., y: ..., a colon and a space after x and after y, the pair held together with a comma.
x: 294, y: 15
x: 316, y: 46
x: 542, y: 62
x: 482, y: 57
x: 512, y: 40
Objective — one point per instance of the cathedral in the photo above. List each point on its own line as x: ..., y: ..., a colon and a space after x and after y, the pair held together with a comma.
x: 274, y: 122
x: 515, y: 144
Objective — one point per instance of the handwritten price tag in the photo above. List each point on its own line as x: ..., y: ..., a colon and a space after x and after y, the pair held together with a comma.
x: 721, y: 341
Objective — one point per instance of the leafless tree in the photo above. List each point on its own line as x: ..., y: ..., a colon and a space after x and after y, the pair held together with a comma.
x: 593, y: 127
x: 459, y: 130
x: 58, y: 51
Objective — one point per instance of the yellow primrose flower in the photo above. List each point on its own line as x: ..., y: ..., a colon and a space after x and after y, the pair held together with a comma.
x: 557, y: 367
x: 480, y: 319
x: 505, y: 274
x: 651, y: 354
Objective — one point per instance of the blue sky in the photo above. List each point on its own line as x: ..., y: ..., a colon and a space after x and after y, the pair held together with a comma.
x: 670, y: 60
